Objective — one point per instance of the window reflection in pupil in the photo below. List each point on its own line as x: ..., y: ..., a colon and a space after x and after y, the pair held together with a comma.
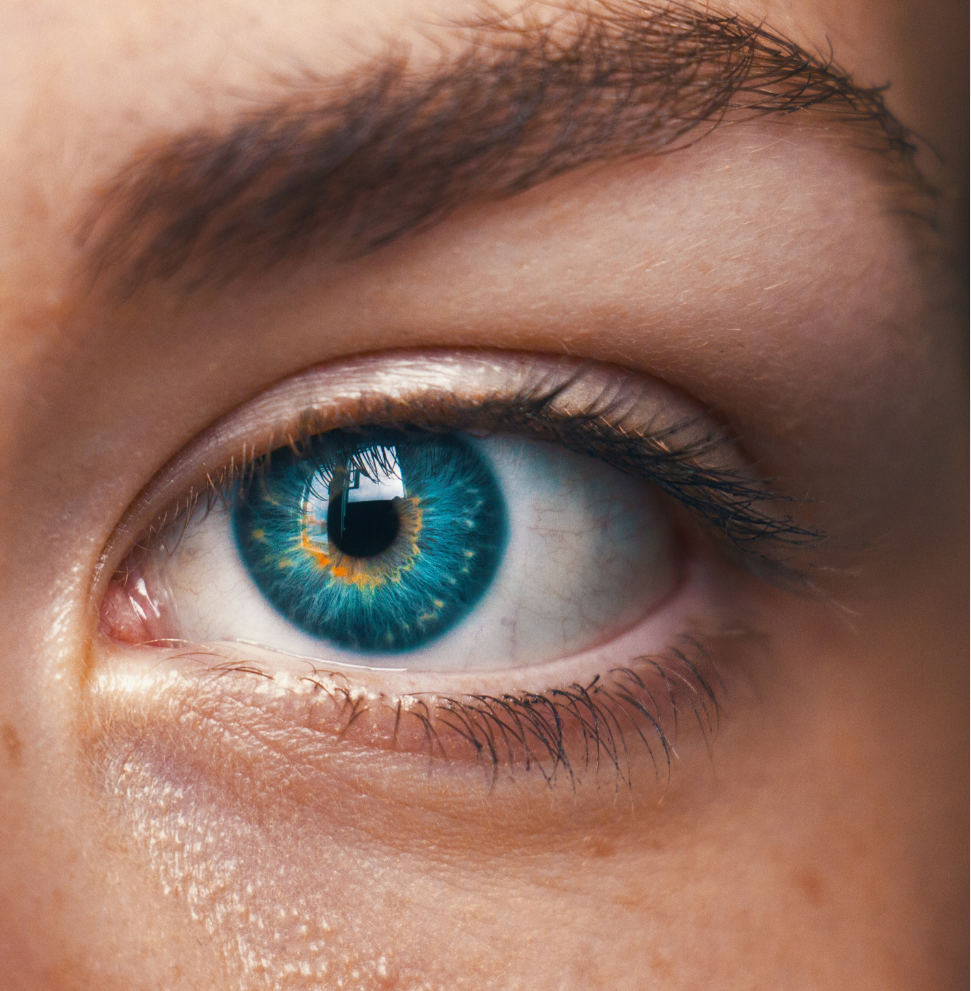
x: 368, y: 529
x: 360, y: 523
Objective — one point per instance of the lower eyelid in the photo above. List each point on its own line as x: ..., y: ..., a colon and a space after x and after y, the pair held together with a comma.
x: 626, y: 712
x: 216, y: 734
x: 613, y: 713
x: 620, y: 730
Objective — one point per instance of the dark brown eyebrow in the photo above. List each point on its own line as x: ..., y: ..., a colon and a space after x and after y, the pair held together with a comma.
x: 347, y: 165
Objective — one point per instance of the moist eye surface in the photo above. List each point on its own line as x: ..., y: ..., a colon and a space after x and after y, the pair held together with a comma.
x: 420, y: 551
x: 378, y: 541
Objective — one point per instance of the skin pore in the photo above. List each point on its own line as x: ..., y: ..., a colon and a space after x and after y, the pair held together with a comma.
x: 787, y: 277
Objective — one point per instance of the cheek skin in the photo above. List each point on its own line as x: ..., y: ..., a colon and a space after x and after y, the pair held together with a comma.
x: 798, y: 815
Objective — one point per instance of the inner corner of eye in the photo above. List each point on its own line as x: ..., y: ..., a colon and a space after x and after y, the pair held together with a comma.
x: 131, y: 608
x: 434, y: 551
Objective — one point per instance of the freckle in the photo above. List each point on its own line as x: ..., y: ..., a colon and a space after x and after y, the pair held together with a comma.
x: 811, y: 884
x: 661, y: 965
x: 12, y: 744
x: 597, y: 846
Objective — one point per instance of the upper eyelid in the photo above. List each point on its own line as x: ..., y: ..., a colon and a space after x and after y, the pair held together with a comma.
x: 413, y: 387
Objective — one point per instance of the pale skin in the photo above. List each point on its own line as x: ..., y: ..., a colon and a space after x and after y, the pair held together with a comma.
x: 817, y: 839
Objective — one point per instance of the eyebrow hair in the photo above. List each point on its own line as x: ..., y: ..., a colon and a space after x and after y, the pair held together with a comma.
x: 350, y: 164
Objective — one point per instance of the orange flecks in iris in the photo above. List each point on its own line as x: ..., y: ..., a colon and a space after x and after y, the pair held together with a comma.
x: 352, y: 574
x: 356, y: 576
x: 309, y: 547
x: 364, y: 574
x: 416, y: 526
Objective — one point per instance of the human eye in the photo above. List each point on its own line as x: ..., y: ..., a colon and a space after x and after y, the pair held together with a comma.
x: 481, y: 559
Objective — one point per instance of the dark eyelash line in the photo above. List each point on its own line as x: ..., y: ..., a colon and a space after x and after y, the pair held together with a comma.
x: 672, y: 456
x: 724, y: 497
x: 561, y: 733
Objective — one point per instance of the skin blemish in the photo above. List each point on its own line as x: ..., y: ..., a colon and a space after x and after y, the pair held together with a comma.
x: 11, y: 745
x: 810, y: 883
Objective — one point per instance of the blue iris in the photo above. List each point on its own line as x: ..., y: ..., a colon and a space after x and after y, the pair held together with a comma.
x: 377, y: 540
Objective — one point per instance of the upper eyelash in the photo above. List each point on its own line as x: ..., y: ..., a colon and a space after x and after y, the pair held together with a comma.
x: 723, y: 497
x: 732, y: 503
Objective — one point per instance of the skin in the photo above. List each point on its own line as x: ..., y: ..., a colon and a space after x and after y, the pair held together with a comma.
x: 821, y: 844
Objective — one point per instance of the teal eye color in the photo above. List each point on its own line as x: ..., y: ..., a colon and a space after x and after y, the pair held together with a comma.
x: 377, y: 540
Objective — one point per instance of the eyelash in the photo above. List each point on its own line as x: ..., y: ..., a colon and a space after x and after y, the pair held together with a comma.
x: 727, y: 500
x: 537, y: 730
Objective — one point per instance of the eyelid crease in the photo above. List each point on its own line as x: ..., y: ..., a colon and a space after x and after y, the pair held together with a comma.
x: 587, y: 407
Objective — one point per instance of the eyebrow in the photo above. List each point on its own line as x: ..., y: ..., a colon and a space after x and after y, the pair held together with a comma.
x: 348, y: 165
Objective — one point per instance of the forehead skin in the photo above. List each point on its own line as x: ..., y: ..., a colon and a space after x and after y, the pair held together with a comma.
x: 766, y: 271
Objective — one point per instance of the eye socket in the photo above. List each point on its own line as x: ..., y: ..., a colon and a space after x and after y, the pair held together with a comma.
x: 583, y: 492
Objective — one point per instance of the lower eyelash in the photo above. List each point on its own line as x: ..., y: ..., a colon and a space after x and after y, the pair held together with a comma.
x: 534, y: 730
x: 564, y: 734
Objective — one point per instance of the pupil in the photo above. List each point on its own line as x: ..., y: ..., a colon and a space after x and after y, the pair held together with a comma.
x: 361, y: 529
